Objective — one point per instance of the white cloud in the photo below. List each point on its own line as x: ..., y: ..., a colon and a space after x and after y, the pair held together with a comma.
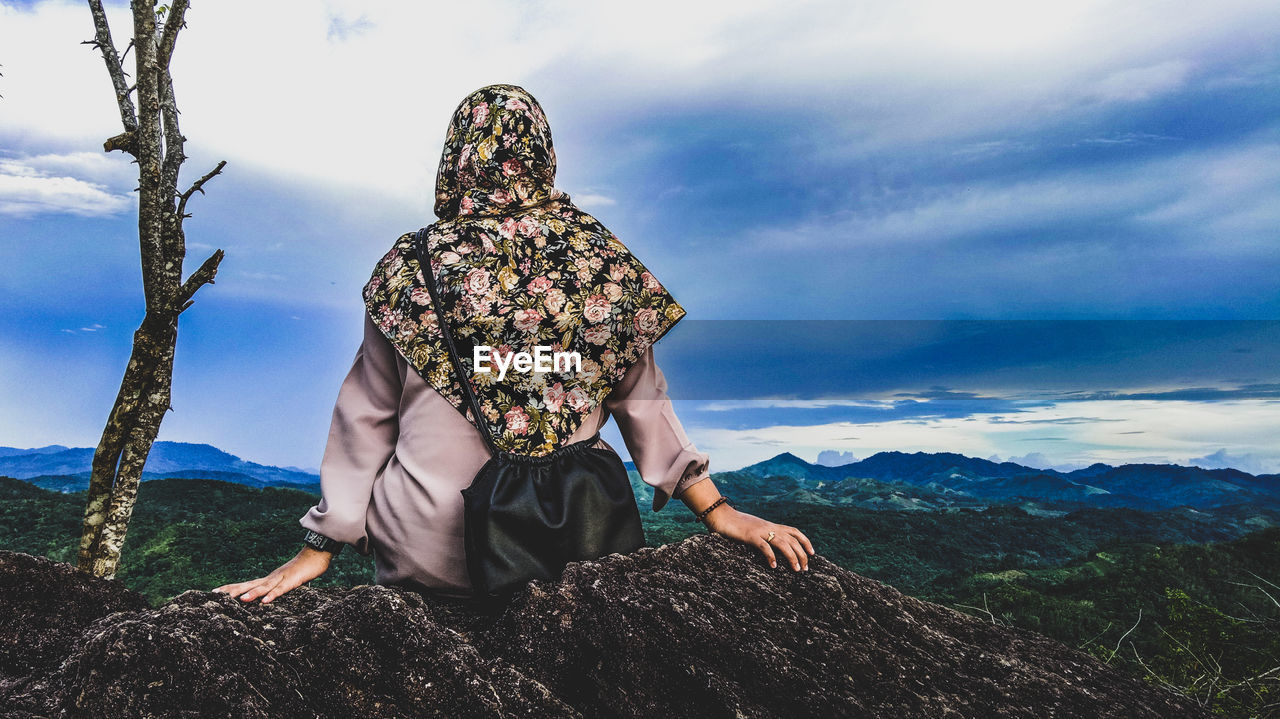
x: 1037, y: 460
x: 351, y: 95
x: 1246, y: 462
x: 94, y: 166
x: 766, y: 403
x: 27, y: 188
x: 89, y: 328
x: 1222, y: 193
x: 1228, y: 196
x: 1170, y: 430
x: 591, y: 199
x: 831, y: 458
x: 1141, y: 83
x: 1126, y: 138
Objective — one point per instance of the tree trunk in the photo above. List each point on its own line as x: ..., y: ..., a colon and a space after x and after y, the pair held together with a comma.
x: 126, y: 441
x: 151, y: 135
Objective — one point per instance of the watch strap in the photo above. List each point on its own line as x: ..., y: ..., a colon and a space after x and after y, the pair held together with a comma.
x: 316, y: 540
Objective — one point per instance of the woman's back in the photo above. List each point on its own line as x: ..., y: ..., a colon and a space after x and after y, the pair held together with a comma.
x: 398, y: 455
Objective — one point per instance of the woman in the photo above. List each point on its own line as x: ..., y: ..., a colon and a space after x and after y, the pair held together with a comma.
x: 525, y: 262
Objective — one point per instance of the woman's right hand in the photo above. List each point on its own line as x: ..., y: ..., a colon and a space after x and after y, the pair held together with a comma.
x: 307, y: 565
x: 771, y: 538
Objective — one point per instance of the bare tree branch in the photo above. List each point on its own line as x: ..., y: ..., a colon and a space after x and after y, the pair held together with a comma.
x: 1122, y: 636
x: 1211, y: 687
x: 1090, y: 639
x: 1262, y: 579
x: 124, y: 142
x: 1163, y: 682
x: 1185, y: 648
x: 174, y: 156
x: 202, y: 276
x: 1257, y: 587
x: 174, y: 21
x: 159, y: 280
x: 102, y: 41
x: 198, y: 186
x: 984, y: 608
x: 1250, y: 680
x: 1273, y: 585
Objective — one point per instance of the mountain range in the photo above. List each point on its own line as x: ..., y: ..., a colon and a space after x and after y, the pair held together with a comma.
x: 885, y: 480
x: 67, y: 469
x: 934, y: 480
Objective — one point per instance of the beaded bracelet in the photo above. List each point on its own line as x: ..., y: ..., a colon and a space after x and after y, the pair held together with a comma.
x: 701, y: 516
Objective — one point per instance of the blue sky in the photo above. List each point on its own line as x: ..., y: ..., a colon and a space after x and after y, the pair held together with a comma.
x: 774, y: 162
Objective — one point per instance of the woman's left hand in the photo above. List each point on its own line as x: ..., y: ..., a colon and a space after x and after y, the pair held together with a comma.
x: 307, y: 565
x: 750, y: 529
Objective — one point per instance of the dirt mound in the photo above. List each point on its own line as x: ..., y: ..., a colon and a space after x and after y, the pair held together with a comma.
x: 699, y: 628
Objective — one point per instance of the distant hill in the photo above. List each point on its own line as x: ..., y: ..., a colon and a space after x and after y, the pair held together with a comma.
x: 885, y: 480
x: 10, y: 451
x: 66, y: 469
x: 934, y: 480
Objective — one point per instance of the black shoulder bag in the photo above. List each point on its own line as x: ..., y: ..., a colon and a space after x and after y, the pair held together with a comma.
x: 527, y: 517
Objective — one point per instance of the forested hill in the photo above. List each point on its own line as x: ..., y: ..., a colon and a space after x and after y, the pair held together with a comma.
x: 932, y: 480
x: 889, y: 480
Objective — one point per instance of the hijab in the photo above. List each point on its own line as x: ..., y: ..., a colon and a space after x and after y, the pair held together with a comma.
x: 516, y: 266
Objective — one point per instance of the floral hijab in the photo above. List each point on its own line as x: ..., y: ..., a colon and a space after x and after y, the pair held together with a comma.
x: 516, y: 266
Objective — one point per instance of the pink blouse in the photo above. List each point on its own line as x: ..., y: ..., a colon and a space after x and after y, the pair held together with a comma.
x: 398, y: 455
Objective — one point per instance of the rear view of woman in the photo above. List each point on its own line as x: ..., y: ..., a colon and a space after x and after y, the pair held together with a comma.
x: 515, y: 266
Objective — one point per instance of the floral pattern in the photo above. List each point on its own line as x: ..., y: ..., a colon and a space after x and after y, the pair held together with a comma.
x: 517, y: 265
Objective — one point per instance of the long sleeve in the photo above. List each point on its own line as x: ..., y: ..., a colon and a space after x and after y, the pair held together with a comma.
x: 664, y: 456
x: 362, y: 439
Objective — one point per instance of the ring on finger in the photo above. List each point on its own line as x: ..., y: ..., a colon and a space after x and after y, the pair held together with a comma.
x: 770, y: 537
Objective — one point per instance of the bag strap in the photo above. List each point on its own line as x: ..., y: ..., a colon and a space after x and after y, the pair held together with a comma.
x: 430, y: 278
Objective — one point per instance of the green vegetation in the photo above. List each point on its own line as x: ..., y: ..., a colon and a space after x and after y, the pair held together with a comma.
x: 184, y: 534
x: 1177, y: 597
x: 1199, y: 618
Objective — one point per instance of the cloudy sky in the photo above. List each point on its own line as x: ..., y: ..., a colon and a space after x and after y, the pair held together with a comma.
x: 1045, y: 231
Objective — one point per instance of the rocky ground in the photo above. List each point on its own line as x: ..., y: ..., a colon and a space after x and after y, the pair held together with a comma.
x: 700, y: 628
